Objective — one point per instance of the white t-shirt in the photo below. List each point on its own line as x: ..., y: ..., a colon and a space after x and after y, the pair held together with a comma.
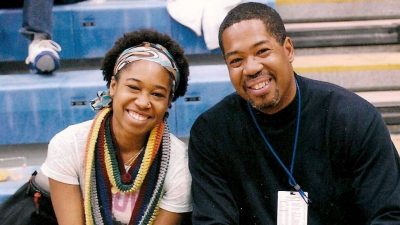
x: 65, y: 163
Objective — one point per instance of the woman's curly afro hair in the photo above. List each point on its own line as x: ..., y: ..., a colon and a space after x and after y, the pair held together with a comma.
x: 134, y: 38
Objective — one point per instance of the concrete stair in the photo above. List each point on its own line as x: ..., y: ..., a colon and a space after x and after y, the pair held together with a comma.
x: 344, y: 33
x: 337, y: 10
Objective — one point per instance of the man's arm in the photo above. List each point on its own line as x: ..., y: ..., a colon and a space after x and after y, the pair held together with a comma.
x: 213, y: 202
x: 377, y: 174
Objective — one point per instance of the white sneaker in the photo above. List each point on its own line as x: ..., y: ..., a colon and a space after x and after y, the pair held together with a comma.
x: 43, y: 56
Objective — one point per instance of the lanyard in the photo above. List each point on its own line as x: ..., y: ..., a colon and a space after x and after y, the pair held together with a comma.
x: 292, y: 181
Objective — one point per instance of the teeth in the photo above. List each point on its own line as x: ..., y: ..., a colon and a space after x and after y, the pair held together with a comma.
x: 137, y: 116
x: 259, y: 85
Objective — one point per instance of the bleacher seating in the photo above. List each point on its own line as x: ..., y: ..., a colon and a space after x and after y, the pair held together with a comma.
x: 88, y: 29
x: 34, y: 108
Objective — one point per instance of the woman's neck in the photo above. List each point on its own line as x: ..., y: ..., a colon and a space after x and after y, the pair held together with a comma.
x: 128, y: 143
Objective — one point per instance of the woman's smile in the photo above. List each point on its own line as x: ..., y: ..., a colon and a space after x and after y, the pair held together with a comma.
x: 138, y: 116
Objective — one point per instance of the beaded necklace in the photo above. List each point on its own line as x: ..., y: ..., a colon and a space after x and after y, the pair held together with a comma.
x: 102, y: 173
x: 131, y: 160
x: 125, y: 174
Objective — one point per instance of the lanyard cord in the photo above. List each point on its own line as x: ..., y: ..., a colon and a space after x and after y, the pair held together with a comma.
x: 292, y: 181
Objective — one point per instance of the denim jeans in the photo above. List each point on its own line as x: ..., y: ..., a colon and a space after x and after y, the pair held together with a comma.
x: 37, y: 16
x: 37, y: 19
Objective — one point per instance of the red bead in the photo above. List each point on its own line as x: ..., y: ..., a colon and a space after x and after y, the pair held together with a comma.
x: 126, y: 178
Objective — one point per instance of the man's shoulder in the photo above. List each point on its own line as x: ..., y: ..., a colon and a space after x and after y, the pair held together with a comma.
x: 323, y: 90
x: 335, y: 98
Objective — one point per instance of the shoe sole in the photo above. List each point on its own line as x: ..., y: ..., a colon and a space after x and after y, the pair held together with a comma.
x: 45, y: 63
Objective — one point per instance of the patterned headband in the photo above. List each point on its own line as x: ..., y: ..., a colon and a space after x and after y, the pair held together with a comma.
x: 150, y: 52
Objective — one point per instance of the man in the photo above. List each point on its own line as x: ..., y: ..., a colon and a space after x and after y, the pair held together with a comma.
x: 285, y: 149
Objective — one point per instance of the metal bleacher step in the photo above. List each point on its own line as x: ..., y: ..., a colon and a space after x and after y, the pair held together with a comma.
x: 344, y: 33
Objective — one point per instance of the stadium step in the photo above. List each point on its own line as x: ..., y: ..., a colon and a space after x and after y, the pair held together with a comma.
x: 337, y: 10
x: 344, y: 33
x: 370, y: 71
x: 373, y: 76
x: 87, y: 29
x: 46, y: 104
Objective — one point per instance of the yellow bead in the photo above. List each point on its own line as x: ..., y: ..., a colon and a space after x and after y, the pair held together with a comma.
x: 114, y: 190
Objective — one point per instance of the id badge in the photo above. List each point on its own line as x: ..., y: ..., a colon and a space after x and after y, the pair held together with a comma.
x: 292, y: 209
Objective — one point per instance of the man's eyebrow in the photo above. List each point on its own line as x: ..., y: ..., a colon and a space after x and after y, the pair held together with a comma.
x: 255, y: 45
x: 230, y: 53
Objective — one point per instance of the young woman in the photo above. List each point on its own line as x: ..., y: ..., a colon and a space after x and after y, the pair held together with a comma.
x: 124, y: 167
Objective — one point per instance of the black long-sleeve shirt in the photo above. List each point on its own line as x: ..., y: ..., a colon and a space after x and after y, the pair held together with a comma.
x: 345, y: 160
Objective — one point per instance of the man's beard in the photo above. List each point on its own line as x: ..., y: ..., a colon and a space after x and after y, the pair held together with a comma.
x: 267, y: 105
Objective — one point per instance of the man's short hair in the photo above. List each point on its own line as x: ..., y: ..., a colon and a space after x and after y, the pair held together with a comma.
x: 253, y: 10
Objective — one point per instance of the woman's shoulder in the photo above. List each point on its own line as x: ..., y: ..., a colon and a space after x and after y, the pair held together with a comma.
x: 178, y: 148
x: 177, y: 143
x: 177, y: 197
x: 77, y: 131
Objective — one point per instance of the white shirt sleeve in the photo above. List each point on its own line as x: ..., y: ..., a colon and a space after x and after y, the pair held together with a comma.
x: 177, y: 197
x: 65, y: 154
